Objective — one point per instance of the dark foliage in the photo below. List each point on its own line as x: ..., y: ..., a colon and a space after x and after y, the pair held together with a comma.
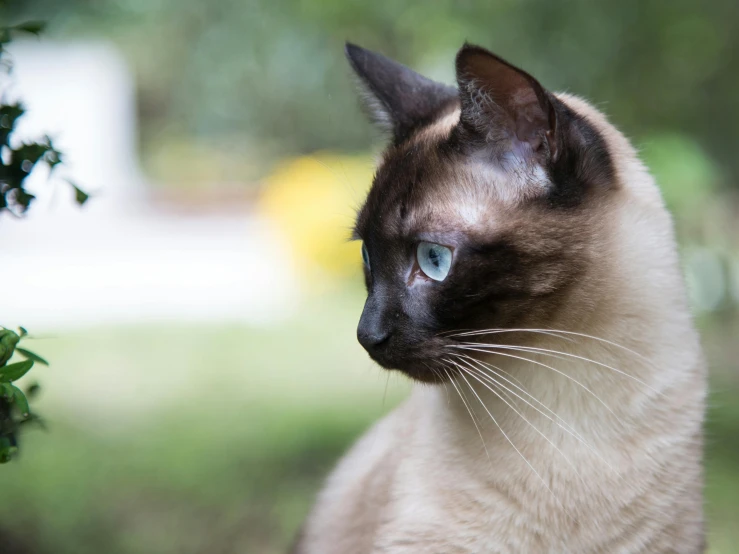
x: 17, y: 161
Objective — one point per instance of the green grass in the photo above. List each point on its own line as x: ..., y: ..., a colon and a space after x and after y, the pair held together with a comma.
x: 187, y: 439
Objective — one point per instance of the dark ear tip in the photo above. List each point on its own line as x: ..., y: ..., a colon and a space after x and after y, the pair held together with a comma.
x: 469, y: 49
x: 469, y: 46
x: 352, y: 51
x: 358, y: 57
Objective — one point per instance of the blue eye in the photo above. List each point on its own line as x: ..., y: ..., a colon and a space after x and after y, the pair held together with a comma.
x: 434, y: 260
x: 365, y: 256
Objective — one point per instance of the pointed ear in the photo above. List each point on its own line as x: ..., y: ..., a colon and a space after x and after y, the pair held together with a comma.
x: 399, y: 99
x: 503, y: 103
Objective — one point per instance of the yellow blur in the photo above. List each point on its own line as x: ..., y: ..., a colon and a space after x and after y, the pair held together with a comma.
x: 313, y: 201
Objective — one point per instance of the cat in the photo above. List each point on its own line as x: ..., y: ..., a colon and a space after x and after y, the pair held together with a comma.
x: 521, y: 267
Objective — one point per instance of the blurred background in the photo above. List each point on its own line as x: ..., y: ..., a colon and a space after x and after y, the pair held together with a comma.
x: 200, y: 311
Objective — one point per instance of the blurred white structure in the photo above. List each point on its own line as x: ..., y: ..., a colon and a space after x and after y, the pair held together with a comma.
x: 117, y: 260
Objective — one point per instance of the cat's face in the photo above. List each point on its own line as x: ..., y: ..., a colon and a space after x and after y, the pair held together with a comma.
x: 483, y: 213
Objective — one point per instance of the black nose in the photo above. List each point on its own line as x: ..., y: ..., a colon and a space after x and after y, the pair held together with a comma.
x: 375, y: 328
x: 373, y: 339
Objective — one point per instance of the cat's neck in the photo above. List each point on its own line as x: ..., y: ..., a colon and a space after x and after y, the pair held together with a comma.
x: 601, y: 384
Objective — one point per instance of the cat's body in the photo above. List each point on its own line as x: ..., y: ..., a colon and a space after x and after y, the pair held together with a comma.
x: 591, y: 444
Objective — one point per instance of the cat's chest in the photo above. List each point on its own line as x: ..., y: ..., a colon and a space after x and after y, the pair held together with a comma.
x: 465, y: 518
x: 443, y: 505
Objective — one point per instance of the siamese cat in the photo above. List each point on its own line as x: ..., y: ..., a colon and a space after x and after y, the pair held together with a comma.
x: 521, y: 267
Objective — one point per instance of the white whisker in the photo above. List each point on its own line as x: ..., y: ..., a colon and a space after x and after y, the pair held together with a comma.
x: 548, y: 367
x: 516, y: 449
x: 564, y: 425
x: 469, y: 411
x: 557, y: 332
x: 558, y: 354
x: 474, y: 332
x: 474, y: 375
x: 384, y: 394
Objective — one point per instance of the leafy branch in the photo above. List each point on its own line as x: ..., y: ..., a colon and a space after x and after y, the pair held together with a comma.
x: 18, y: 160
x: 15, y: 411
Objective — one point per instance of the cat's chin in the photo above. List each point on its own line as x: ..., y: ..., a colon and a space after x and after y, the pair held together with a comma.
x: 419, y: 370
x: 424, y: 375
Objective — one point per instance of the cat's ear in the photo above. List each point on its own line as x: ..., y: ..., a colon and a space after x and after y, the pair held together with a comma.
x: 504, y: 105
x: 398, y: 99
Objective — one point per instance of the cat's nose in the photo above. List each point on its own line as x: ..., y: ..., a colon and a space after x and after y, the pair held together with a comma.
x: 372, y: 339
x: 374, y: 329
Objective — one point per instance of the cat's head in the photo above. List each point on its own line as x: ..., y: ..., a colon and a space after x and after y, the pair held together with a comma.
x: 484, y: 213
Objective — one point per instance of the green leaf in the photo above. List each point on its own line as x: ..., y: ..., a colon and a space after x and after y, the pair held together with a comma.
x: 79, y: 195
x: 7, y: 450
x: 15, y: 371
x: 7, y: 390
x: 8, y: 340
x: 33, y: 27
x: 9, y: 114
x: 31, y: 356
x: 21, y: 402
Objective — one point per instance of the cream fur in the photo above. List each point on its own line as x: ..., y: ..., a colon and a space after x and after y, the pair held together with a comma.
x: 422, y: 481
